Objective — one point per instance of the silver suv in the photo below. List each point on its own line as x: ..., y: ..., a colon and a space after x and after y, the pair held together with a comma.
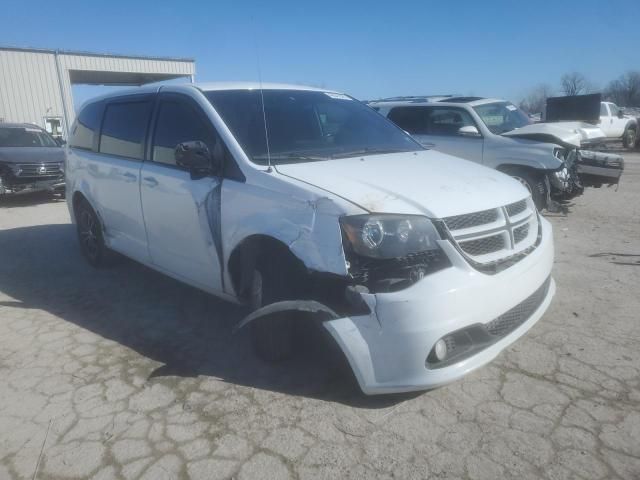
x: 497, y: 134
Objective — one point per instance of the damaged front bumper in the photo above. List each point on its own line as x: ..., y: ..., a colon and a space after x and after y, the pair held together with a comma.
x: 391, y: 349
x: 599, y: 168
x: 54, y: 185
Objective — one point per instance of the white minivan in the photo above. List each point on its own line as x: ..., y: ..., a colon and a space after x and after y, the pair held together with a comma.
x: 311, y: 209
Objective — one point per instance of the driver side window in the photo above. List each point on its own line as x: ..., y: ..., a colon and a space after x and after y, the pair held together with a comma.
x: 178, y: 122
x: 603, y: 110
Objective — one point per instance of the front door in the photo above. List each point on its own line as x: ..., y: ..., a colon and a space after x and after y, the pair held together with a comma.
x: 181, y: 213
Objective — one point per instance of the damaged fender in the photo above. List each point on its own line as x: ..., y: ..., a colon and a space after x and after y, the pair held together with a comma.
x: 322, y: 312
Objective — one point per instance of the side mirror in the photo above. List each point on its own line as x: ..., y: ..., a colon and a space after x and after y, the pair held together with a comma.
x: 620, y: 113
x: 468, y: 131
x: 196, y: 157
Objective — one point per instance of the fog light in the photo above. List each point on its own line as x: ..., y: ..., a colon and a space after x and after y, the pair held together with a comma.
x: 440, y: 349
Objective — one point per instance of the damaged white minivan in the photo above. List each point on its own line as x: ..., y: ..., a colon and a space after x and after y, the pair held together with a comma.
x: 311, y: 208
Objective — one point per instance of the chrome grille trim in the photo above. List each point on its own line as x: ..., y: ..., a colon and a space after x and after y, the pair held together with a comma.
x: 491, y: 240
x: 37, y: 169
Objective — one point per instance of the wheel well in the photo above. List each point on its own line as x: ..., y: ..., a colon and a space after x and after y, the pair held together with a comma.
x: 247, y: 255
x: 511, y: 169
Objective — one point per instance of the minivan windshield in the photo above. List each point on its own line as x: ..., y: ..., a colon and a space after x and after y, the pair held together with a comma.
x: 304, y: 125
x: 25, y: 137
x: 501, y: 117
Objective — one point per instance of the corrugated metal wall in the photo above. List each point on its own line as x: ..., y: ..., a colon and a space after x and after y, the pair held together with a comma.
x: 30, y: 89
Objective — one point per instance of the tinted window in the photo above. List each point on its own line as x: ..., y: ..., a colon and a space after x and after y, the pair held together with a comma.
x: 410, y: 119
x: 447, y: 121
x: 87, y: 124
x: 124, y: 128
x: 25, y: 137
x: 178, y: 122
x: 304, y: 126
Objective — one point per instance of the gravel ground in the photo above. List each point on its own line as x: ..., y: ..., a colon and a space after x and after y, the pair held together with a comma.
x: 123, y: 373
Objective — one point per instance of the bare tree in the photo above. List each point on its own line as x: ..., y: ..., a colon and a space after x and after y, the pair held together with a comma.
x: 625, y: 91
x: 536, y: 99
x: 574, y: 83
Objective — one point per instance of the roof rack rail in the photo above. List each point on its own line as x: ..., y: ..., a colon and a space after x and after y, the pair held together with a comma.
x: 414, y: 98
x: 459, y: 99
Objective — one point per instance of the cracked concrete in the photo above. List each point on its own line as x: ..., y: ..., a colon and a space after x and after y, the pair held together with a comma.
x: 136, y: 376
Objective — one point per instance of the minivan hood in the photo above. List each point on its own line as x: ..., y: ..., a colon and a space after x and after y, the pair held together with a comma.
x: 417, y: 183
x: 31, y: 154
x: 571, y: 134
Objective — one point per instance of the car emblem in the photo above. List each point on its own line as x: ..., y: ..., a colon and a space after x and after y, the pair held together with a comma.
x: 42, y: 170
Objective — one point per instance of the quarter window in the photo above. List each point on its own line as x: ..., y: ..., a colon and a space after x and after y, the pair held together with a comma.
x: 86, y: 126
x: 178, y: 122
x: 124, y: 129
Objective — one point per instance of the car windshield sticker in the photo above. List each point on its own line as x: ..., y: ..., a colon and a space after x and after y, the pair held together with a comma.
x: 511, y: 107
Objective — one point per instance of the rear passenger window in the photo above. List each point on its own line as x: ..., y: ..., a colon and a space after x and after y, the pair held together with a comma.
x: 178, y: 122
x: 124, y: 128
x: 410, y: 119
x: 86, y: 126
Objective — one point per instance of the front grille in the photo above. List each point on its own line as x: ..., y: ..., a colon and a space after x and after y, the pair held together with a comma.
x: 37, y: 169
x: 469, y: 220
x: 483, y: 246
x: 516, y: 208
x: 509, y: 321
x: 492, y: 240
x: 520, y: 233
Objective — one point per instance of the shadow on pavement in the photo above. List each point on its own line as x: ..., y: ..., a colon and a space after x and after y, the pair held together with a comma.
x: 188, y: 331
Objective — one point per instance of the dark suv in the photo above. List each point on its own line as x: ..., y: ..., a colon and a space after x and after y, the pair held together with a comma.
x: 30, y: 160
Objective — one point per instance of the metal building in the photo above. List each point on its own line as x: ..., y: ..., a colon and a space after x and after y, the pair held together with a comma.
x: 35, y: 84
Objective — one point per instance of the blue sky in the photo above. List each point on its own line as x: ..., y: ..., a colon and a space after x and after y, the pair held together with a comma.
x: 368, y: 49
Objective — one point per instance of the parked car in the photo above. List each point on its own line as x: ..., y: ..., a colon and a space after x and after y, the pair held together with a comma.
x: 618, y: 126
x: 543, y: 156
x: 313, y: 210
x: 30, y: 160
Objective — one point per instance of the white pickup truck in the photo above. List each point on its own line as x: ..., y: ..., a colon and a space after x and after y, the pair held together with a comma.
x: 616, y: 125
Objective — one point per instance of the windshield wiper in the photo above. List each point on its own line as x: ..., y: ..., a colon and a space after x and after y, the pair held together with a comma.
x: 365, y: 151
x: 291, y: 158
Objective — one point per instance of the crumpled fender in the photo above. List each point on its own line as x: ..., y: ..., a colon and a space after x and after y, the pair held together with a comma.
x: 309, y: 306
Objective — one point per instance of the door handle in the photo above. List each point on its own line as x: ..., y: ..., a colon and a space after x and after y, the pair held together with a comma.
x: 130, y: 177
x: 150, y: 181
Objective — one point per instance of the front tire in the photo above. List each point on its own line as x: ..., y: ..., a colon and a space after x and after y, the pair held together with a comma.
x: 273, y: 337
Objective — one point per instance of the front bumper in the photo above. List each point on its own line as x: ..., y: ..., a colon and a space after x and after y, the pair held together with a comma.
x: 387, y: 349
x: 7, y: 186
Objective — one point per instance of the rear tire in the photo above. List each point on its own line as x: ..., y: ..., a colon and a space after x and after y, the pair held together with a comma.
x: 629, y: 138
x: 535, y: 184
x: 91, y: 236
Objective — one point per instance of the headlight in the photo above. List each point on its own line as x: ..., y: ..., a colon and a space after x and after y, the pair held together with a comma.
x: 389, y: 236
x: 389, y: 252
